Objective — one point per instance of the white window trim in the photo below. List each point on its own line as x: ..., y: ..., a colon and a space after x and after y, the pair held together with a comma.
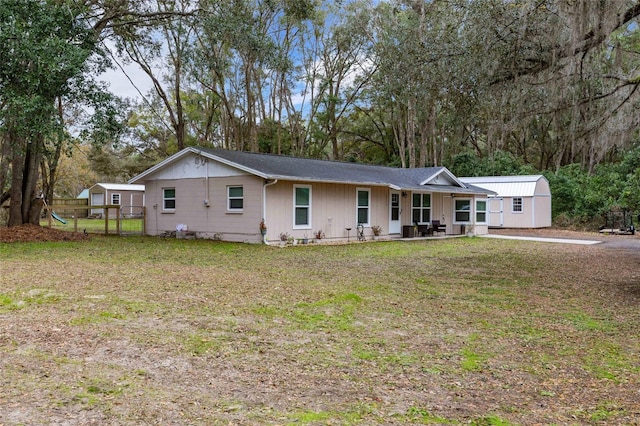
x: 368, y: 191
x: 229, y: 198
x: 307, y: 226
x: 119, y: 199
x: 486, y: 212
x: 521, y: 211
x: 430, y: 208
x: 164, y: 209
x: 471, y: 211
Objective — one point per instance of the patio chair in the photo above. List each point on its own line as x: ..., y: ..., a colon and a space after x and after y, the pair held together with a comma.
x: 438, y: 227
x: 423, y: 230
x: 360, y: 229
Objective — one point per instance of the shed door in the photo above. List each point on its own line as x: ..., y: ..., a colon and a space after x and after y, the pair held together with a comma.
x: 97, y: 199
x: 496, y: 212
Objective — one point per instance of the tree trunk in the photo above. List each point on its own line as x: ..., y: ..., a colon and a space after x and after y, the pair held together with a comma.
x: 5, y: 162
x: 411, y: 131
x: 25, y: 204
x: 17, y: 169
x: 399, y: 134
x: 50, y: 162
x: 31, y: 207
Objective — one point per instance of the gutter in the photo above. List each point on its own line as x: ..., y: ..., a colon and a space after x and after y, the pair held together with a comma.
x: 264, y: 206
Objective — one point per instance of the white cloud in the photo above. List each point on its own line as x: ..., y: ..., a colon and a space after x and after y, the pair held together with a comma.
x: 127, y: 82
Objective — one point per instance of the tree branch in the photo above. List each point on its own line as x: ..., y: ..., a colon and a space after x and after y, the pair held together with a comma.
x: 590, y: 40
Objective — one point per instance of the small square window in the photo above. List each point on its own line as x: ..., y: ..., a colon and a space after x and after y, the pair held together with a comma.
x: 462, y: 210
x: 517, y: 205
x: 168, y: 198
x: 235, y: 198
x: 115, y: 199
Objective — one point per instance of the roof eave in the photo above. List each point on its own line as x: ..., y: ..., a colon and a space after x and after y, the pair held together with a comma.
x: 331, y: 181
x: 451, y: 190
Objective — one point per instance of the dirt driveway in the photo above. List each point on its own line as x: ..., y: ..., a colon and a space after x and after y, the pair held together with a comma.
x: 618, y: 242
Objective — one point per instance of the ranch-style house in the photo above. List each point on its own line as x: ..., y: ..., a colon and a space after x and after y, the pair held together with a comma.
x: 223, y: 194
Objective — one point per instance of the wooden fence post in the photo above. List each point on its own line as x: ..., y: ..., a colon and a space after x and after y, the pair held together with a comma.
x: 118, y: 220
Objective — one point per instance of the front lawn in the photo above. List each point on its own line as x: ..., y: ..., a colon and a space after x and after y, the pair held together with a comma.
x: 142, y: 330
x: 97, y: 226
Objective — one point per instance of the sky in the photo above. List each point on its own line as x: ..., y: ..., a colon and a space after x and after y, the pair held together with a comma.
x: 123, y: 86
x: 125, y: 80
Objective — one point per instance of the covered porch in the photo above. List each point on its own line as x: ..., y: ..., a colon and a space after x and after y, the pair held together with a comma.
x: 445, y: 212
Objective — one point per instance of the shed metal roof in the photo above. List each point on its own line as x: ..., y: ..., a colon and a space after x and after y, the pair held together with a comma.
x: 119, y: 187
x: 507, y: 186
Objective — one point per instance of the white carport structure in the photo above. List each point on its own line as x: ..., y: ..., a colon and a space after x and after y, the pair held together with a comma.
x: 521, y: 201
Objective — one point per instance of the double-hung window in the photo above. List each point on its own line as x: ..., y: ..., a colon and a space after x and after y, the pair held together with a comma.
x: 481, y: 211
x: 363, y: 206
x: 516, y: 205
x: 168, y: 199
x: 462, y: 210
x: 421, y: 208
x: 302, y: 206
x: 115, y: 199
x: 235, y: 198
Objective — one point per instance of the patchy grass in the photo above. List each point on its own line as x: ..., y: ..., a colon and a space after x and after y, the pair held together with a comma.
x: 464, y: 331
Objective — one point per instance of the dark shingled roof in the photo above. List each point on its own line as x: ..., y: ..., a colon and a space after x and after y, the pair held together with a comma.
x: 270, y: 166
x: 286, y: 167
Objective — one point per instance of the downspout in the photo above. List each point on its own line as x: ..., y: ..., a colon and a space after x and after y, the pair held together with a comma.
x: 206, y: 186
x: 264, y: 206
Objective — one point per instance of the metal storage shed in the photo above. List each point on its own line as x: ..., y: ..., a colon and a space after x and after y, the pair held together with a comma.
x: 129, y: 197
x: 521, y: 201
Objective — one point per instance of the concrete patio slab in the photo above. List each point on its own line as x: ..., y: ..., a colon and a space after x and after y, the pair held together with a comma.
x: 541, y: 239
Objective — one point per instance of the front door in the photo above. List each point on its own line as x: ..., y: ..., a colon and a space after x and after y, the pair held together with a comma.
x: 394, y: 212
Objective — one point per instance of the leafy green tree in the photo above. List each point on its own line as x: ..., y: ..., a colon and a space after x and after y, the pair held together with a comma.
x: 161, y: 52
x: 45, y: 47
x: 49, y: 49
x: 274, y: 138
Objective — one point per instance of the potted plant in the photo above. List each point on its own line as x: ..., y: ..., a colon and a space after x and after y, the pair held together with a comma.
x: 284, y: 238
x: 263, y: 228
x: 319, y: 235
x: 376, y: 230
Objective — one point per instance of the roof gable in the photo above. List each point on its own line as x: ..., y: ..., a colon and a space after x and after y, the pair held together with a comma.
x: 442, y: 177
